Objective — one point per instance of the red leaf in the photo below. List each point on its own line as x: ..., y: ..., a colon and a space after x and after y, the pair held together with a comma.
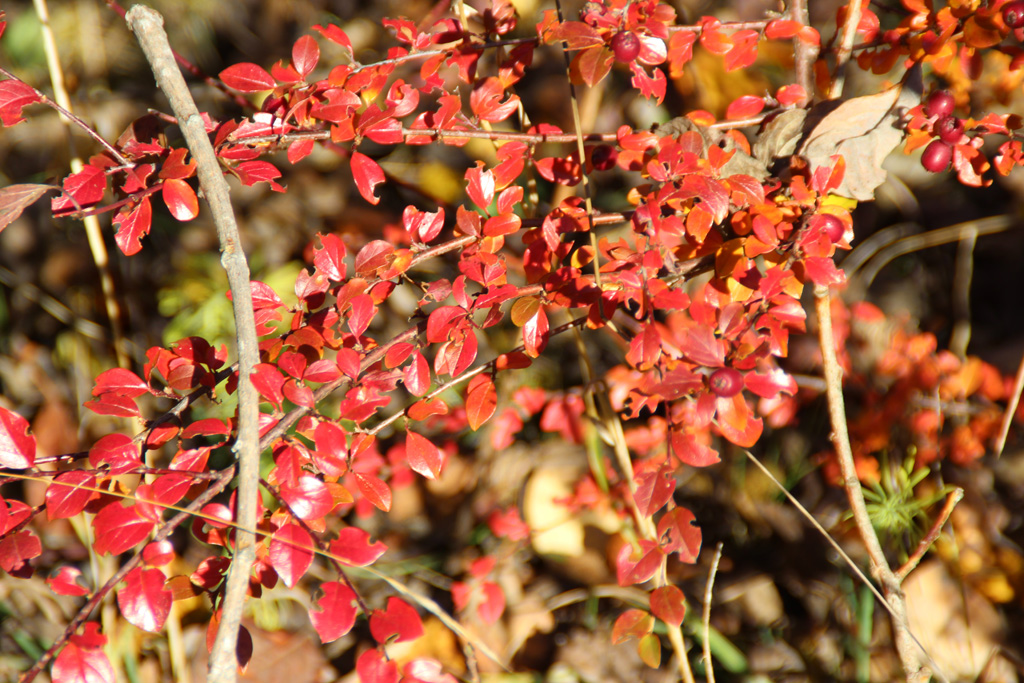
x: 247, y: 77
x: 669, y: 604
x: 373, y: 258
x: 305, y: 55
x: 591, y: 65
x: 372, y: 667
x: 789, y: 95
x: 416, y: 375
x: 268, y: 382
x: 374, y: 490
x: 481, y: 185
x: 65, y: 582
x: 120, y: 528
x: 17, y: 446
x: 492, y: 605
x: 117, y: 451
x: 119, y: 381
x: 143, y: 600
x: 367, y: 175
x: 398, y: 621
x: 322, y: 371
x: 337, y: 611
x: 638, y: 566
x: 645, y: 349
x: 742, y: 107
x: 481, y: 401
x: 86, y: 187
x: 486, y: 102
x: 18, y: 548
x: 65, y: 499
x: 535, y: 334
x: 297, y: 393
x: 16, y: 198
x: 654, y: 489
x: 113, y: 404
x: 180, y: 199
x: 82, y: 659
x: 678, y: 534
x: 252, y: 172
x: 423, y: 226
x: 504, y: 224
x: 291, y: 553
x: 424, y: 457
x: 336, y: 35
x: 633, y: 623
x: 353, y: 547
x: 736, y: 421
x: 782, y: 29
x: 308, y: 498
x: 14, y: 95
x: 132, y: 225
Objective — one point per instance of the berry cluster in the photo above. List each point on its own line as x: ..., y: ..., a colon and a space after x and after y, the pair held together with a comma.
x: 948, y: 130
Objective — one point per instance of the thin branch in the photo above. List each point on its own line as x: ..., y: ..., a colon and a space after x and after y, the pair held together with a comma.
x: 906, y: 645
x: 1011, y: 409
x: 845, y: 49
x: 707, y: 613
x: 148, y: 27
x: 954, y: 497
x: 94, y: 236
x: 43, y: 99
x: 804, y: 54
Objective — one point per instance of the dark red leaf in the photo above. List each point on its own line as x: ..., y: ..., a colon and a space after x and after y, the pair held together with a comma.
x: 337, y: 611
x: 247, y: 77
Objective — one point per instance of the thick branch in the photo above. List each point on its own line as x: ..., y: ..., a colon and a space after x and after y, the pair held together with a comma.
x: 148, y: 27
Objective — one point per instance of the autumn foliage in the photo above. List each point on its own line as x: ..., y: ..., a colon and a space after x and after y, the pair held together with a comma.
x: 698, y: 284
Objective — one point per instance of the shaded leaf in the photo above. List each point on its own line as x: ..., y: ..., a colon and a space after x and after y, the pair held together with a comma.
x: 16, y: 198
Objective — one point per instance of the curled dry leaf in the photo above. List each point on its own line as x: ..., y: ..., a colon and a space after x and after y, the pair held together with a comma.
x: 864, y: 130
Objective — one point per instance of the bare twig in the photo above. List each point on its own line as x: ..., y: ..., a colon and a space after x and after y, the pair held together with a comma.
x: 706, y: 617
x: 954, y: 497
x: 906, y: 645
x: 148, y: 27
x: 961, y: 336
x: 845, y: 48
x: 1011, y: 409
x: 97, y: 246
x: 804, y: 54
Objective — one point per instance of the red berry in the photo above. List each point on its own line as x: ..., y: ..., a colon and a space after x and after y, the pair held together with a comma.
x: 626, y: 46
x: 1013, y: 14
x: 603, y: 157
x: 949, y: 129
x: 937, y: 156
x: 940, y: 103
x: 833, y: 227
x: 725, y: 382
